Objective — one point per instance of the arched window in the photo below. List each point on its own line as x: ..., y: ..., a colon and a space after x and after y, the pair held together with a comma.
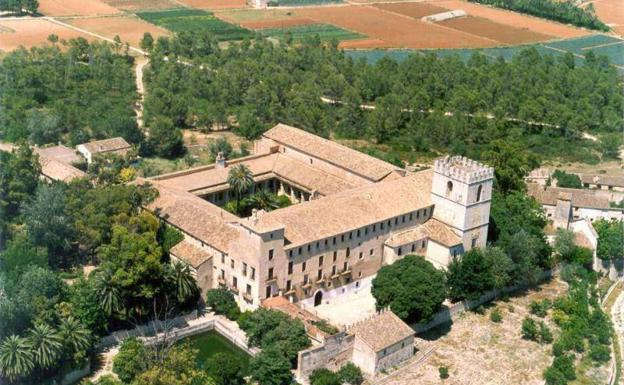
x: 449, y: 188
x: 479, y: 189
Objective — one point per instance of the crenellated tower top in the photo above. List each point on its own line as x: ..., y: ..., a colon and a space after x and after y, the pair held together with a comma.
x: 463, y: 169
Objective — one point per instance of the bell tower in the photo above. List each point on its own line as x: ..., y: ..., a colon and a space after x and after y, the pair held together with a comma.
x: 461, y: 190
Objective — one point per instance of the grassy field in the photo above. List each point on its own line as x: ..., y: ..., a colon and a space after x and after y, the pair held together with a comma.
x: 609, y: 46
x: 298, y: 33
x: 190, y: 20
x: 211, y: 343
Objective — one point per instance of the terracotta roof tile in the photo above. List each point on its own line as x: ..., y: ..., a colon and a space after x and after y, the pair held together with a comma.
x: 604, y: 180
x: 382, y: 330
x: 60, y: 153
x: 342, y: 156
x: 579, y: 198
x: 190, y: 254
x: 60, y: 171
x: 432, y: 229
x: 106, y: 145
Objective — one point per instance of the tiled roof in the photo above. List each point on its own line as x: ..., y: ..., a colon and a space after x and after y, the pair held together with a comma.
x: 382, y: 330
x: 579, y: 198
x: 106, y: 145
x: 60, y: 153
x: 432, y: 229
x: 539, y: 173
x: 604, y: 180
x: 60, y: 171
x: 195, y: 216
x: 352, y: 209
x: 190, y: 254
x: 341, y: 156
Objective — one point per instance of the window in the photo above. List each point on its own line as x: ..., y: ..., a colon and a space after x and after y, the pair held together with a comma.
x: 321, y: 260
x: 424, y: 243
x: 303, y: 266
x: 374, y: 227
x: 361, y: 255
x: 449, y: 188
x: 411, y: 216
x: 270, y: 273
x: 342, y: 238
x: 417, y: 214
x: 346, y: 266
x: 325, y: 242
x: 333, y: 270
x: 253, y: 273
x: 396, y: 221
x: 234, y: 282
x: 270, y: 254
x: 372, y: 251
x: 288, y: 285
x: 290, y: 267
x: 300, y: 250
x: 381, y: 225
x: 290, y: 253
x: 334, y: 241
x: 413, y: 247
x: 350, y: 235
x: 403, y: 219
x: 400, y: 251
x: 232, y: 263
x: 389, y: 223
x: 424, y: 212
x: 309, y: 248
x: 310, y: 160
x: 320, y: 275
x: 244, y: 268
x: 359, y: 276
x: 335, y: 256
x: 479, y: 189
x: 348, y: 252
x: 222, y: 274
x: 268, y: 291
x: 248, y: 289
x: 223, y: 259
x: 358, y: 233
x: 366, y: 230
x: 474, y: 242
x: 305, y: 279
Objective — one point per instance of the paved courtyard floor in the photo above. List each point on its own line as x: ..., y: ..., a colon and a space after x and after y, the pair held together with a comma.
x: 347, y: 309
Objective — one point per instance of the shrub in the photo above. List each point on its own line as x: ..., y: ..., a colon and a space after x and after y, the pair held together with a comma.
x: 600, y: 353
x: 350, y: 374
x: 324, y: 376
x: 545, y: 336
x: 444, y: 372
x: 496, y: 316
x: 221, y: 301
x: 529, y: 329
x: 326, y: 327
x: 131, y: 359
x: 540, y: 309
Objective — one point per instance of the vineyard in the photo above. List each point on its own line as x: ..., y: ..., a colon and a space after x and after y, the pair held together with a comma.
x: 190, y: 20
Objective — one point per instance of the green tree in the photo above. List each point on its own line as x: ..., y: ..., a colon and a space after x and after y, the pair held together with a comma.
x: 349, y: 373
x: 76, y: 338
x: 412, y: 287
x: 46, y: 345
x: 226, y: 369
x: 564, y: 245
x: 511, y: 164
x: 240, y: 180
x: 610, y: 238
x: 16, y: 357
x: 178, y: 366
x: 132, y: 359
x: 165, y: 139
x: 529, y: 329
x: 221, y: 301
x: 324, y: 376
x: 147, y: 42
x: 470, y: 276
x: 182, y: 279
x: 271, y: 367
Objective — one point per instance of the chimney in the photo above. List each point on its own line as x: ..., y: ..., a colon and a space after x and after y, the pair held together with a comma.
x: 220, y: 161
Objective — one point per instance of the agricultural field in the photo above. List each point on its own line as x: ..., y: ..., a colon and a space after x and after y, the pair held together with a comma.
x: 193, y: 20
x: 495, y: 31
x: 129, y: 28
x: 32, y: 32
x: 142, y: 5
x: 75, y: 7
x: 611, y: 12
x: 600, y: 44
x: 300, y: 32
x: 297, y: 3
x: 215, y: 4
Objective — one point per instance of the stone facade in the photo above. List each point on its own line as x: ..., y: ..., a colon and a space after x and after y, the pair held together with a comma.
x: 352, y: 214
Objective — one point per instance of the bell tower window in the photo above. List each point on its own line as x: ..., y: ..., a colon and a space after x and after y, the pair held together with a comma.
x: 449, y: 188
x: 479, y: 189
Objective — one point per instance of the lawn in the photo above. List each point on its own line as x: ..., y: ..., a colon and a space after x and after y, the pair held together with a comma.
x: 211, y: 343
x: 298, y: 33
x: 191, y: 20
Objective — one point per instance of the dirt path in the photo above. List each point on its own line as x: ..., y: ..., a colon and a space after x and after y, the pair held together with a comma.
x: 141, y: 62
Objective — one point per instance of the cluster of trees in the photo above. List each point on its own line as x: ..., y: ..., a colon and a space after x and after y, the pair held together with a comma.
x: 250, y: 87
x: 347, y: 374
x: 19, y: 6
x: 585, y: 328
x: 567, y: 11
x: 47, y: 233
x: 610, y: 238
x: 565, y: 179
x: 240, y: 180
x: 69, y: 92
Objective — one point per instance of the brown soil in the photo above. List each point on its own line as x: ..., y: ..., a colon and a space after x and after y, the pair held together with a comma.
x: 395, y: 30
x: 610, y: 12
x: 215, y: 4
x: 129, y: 28
x: 496, y: 31
x: 363, y: 43
x: 415, y: 10
x: 75, y: 7
x: 141, y: 5
x: 264, y: 24
x: 514, y: 19
x: 32, y: 32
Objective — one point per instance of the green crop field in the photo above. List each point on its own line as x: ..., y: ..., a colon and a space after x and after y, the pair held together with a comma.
x: 181, y: 20
x: 609, y: 46
x: 298, y: 33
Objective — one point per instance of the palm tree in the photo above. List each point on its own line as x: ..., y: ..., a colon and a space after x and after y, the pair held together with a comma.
x: 110, y: 298
x: 240, y: 180
x: 74, y: 334
x: 46, y: 345
x: 16, y: 357
x: 264, y: 200
x: 180, y: 275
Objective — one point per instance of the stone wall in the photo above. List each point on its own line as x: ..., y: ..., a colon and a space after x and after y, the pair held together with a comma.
x: 333, y: 353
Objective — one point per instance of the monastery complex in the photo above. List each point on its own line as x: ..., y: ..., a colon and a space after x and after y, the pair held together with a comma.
x: 351, y: 214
